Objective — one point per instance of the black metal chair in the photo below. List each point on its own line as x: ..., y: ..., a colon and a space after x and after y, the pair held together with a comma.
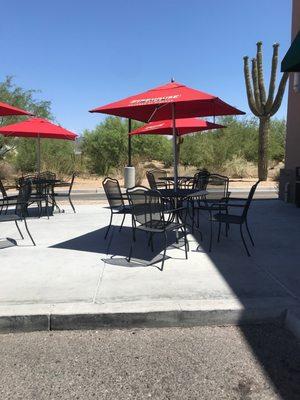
x: 6, y: 198
x: 241, y: 219
x: 149, y: 215
x: 56, y: 195
x: 20, y: 211
x: 47, y: 175
x: 116, y: 201
x: 153, y: 180
x: 217, y: 187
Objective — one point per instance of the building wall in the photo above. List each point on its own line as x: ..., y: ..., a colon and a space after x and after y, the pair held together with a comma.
x: 292, y: 150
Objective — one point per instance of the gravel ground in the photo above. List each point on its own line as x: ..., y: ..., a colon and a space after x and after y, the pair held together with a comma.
x: 259, y: 362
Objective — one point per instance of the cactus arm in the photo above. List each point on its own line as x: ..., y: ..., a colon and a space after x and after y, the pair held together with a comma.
x: 256, y: 87
x: 260, y: 74
x: 269, y: 103
x: 280, y: 93
x: 250, y: 97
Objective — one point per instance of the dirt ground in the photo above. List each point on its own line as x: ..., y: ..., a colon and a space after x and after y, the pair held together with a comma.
x: 96, y: 183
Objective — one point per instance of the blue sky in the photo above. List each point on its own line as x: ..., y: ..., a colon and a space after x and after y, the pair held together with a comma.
x: 83, y: 54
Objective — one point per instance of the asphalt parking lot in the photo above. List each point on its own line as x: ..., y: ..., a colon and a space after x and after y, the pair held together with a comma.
x: 250, y: 362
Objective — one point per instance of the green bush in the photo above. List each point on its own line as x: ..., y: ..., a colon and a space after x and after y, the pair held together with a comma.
x: 56, y: 155
x: 106, y: 147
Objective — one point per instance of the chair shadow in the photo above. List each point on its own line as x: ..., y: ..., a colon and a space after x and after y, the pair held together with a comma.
x: 116, y: 247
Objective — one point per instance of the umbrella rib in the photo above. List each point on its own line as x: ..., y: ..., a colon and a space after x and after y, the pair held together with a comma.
x: 156, y: 109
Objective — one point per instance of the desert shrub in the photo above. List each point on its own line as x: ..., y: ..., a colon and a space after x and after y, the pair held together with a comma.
x: 7, y: 171
x: 233, y: 147
x: 238, y: 167
x: 105, y: 147
x: 56, y: 155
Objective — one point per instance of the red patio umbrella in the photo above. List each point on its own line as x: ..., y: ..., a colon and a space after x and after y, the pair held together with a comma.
x: 171, y: 101
x: 37, y: 128
x: 183, y: 127
x: 156, y: 104
x: 7, y: 109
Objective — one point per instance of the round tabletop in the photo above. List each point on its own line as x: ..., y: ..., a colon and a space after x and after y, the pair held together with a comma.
x: 182, y: 193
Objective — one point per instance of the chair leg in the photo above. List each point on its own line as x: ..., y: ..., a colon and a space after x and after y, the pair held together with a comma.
x: 109, y: 225
x: 131, y: 245
x: 227, y: 225
x: 243, y: 239
x: 47, y: 205
x: 193, y: 218
x: 29, y: 232
x: 151, y: 242
x: 211, y: 231
x: 130, y: 253
x: 219, y: 231
x: 17, y: 225
x: 72, y: 205
x: 165, y: 250
x: 185, y: 243
x: 121, y: 226
x: 249, y: 233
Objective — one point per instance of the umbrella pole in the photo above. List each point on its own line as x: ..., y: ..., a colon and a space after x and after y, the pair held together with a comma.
x: 175, y: 166
x: 175, y: 148
x: 38, y: 155
x: 129, y: 142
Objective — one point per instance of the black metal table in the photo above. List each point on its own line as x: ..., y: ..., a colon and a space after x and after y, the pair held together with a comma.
x: 181, y: 180
x: 181, y: 194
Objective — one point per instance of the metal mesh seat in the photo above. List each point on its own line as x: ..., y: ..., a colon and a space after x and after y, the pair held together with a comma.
x: 115, y: 200
x: 55, y: 195
x: 217, y: 187
x: 7, y: 199
x: 149, y: 215
x: 20, y: 212
x: 241, y: 219
x: 153, y: 179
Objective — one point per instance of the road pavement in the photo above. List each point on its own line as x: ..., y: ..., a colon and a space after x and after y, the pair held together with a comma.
x: 210, y: 363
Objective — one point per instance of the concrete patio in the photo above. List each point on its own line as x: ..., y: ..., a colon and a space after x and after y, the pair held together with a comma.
x: 73, y: 278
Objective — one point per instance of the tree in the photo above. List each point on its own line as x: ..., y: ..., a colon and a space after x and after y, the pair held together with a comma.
x: 18, y: 97
x: 262, y: 106
x: 106, y: 145
x: 57, y: 155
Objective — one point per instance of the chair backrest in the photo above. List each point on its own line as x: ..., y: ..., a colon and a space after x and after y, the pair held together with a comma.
x: 47, y: 175
x: 159, y: 173
x: 151, y: 180
x: 146, y: 206
x: 249, y: 200
x: 2, y: 190
x: 113, y: 192
x: 25, y: 178
x: 23, y: 198
x: 201, y: 179
x: 217, y: 187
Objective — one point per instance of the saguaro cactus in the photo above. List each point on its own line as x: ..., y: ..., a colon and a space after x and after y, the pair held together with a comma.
x: 260, y: 105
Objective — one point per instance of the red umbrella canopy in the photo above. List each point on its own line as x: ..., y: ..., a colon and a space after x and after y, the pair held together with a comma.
x: 183, y: 127
x: 6, y: 109
x: 37, y: 127
x: 155, y: 104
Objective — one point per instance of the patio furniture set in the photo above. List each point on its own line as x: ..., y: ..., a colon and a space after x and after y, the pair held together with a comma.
x: 161, y: 208
x: 32, y: 189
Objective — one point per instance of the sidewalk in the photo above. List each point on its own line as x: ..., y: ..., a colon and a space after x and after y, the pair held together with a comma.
x: 73, y: 278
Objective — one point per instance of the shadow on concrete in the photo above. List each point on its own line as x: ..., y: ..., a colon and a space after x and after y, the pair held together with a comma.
x: 117, y: 246
x: 276, y: 230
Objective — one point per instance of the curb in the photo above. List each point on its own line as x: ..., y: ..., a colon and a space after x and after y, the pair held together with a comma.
x: 96, y: 316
